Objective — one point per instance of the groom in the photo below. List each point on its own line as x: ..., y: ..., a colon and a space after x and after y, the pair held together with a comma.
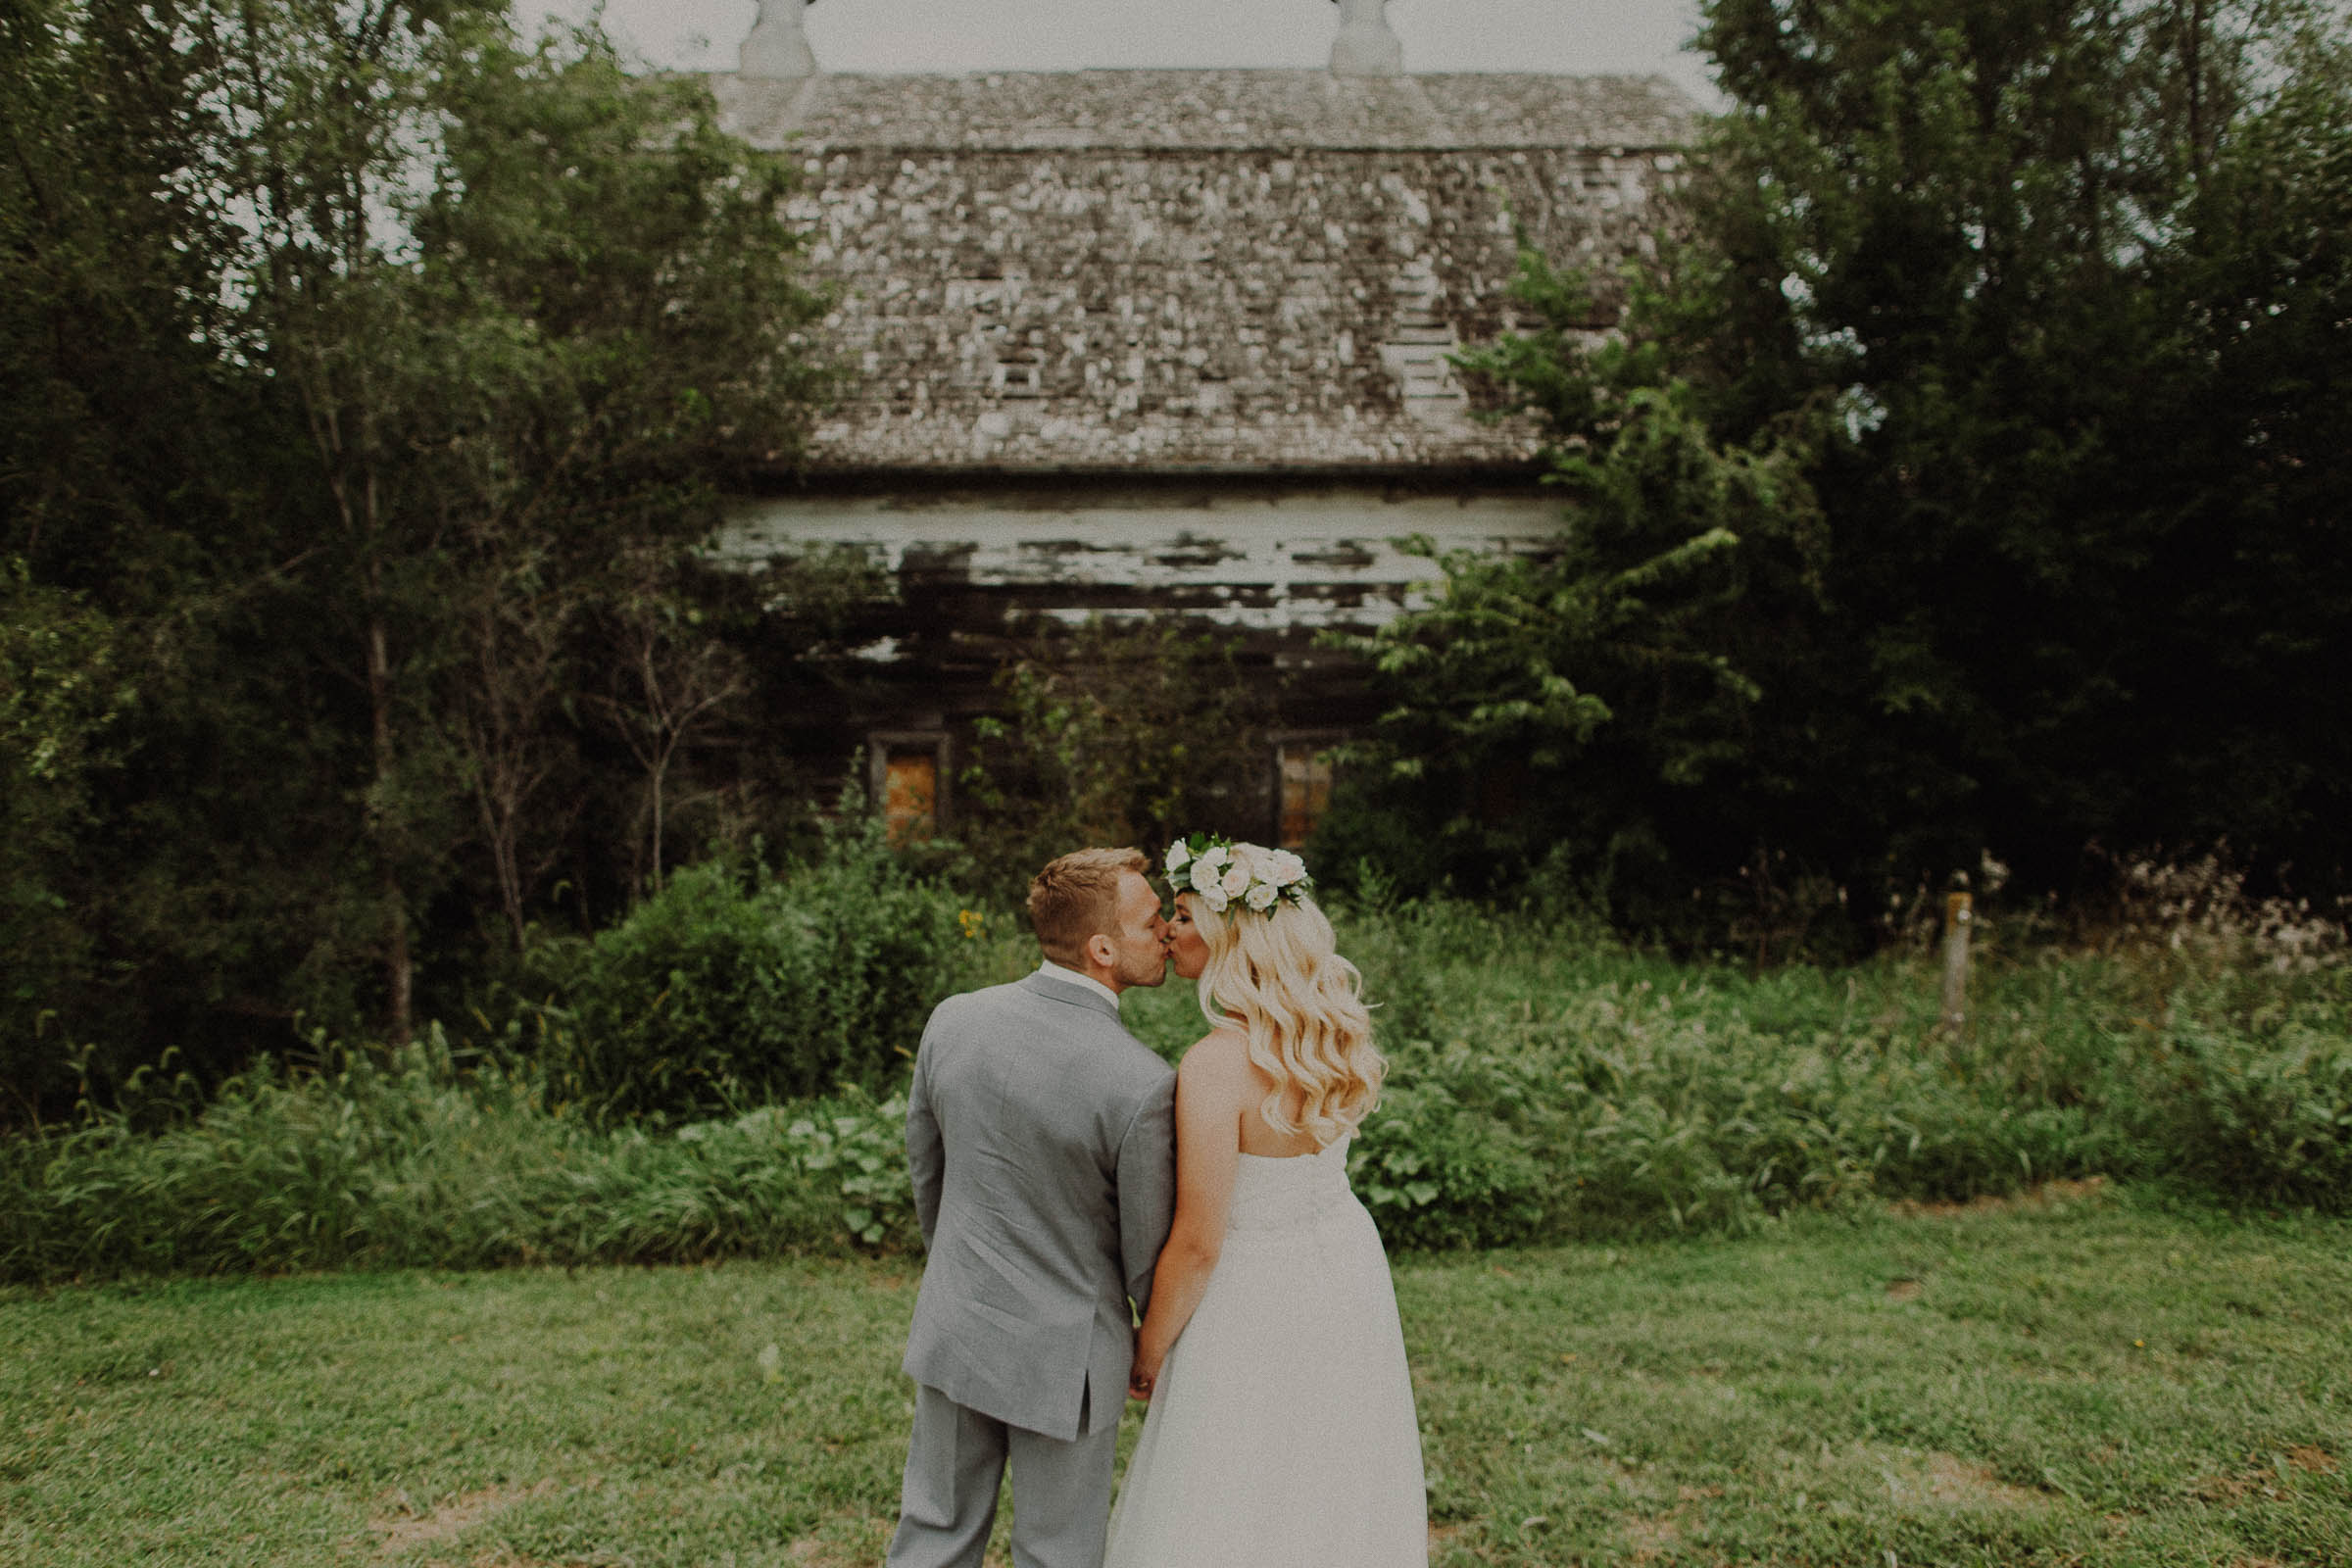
x: 1041, y: 1136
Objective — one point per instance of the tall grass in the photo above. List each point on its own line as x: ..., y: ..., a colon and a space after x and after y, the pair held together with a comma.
x: 404, y: 1159
x: 1545, y: 1084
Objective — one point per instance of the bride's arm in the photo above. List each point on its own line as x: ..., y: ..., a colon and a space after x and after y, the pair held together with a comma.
x: 1210, y: 1087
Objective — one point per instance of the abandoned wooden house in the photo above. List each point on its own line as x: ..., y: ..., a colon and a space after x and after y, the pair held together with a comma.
x: 1150, y: 343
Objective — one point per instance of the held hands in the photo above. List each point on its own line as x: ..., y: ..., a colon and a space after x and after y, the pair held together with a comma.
x: 1142, y: 1377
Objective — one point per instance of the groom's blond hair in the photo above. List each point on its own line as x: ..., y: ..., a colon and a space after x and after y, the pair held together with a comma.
x: 1076, y: 896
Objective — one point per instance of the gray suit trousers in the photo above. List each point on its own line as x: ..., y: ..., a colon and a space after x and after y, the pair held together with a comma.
x: 1060, y: 1489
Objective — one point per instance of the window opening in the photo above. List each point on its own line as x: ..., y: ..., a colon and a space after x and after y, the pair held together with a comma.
x: 1304, y: 775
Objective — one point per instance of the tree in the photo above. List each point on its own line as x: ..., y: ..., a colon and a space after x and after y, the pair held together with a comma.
x: 1623, y: 671
x: 1972, y: 223
x: 61, y: 696
x: 347, y: 346
x: 1996, y: 325
x: 137, y: 472
x: 504, y: 711
x: 1114, y: 733
x: 624, y: 374
x: 528, y: 353
x: 669, y: 680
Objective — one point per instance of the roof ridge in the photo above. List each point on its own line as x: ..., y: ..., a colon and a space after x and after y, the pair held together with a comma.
x: 1230, y: 107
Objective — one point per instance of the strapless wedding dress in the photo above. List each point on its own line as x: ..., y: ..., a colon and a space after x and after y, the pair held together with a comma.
x: 1281, y: 1433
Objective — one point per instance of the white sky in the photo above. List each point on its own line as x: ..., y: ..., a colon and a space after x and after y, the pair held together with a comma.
x: 1601, y: 36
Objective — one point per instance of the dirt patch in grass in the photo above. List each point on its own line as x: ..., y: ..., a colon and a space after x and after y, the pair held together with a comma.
x: 2041, y: 1195
x: 2228, y: 1488
x: 1963, y: 1483
x: 2260, y: 1480
x: 408, y: 1532
x: 1650, y: 1536
x: 1932, y: 1480
x: 1647, y: 1540
x: 847, y: 1541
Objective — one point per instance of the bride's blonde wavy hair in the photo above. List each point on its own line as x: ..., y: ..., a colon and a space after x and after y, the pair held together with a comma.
x: 1281, y: 973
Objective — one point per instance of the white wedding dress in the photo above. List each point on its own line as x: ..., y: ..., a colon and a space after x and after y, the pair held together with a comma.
x: 1280, y: 1431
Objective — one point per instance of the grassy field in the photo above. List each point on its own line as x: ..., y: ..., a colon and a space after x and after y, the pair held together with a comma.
x: 2097, y: 1380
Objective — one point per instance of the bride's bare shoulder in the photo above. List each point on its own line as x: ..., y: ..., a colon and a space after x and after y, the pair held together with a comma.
x: 1219, y: 1055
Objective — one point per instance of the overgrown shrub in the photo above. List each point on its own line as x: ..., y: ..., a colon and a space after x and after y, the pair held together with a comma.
x: 2273, y: 1122
x: 1543, y: 1084
x: 735, y: 985
x: 409, y: 1161
x: 1114, y: 732
x: 1653, y: 1095
x: 1436, y: 1173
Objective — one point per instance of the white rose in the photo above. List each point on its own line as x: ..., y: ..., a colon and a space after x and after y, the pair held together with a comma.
x: 1216, y: 854
x: 1214, y: 900
x: 1178, y: 853
x: 1260, y: 897
x: 1287, y: 868
x: 1233, y: 882
x: 1204, y: 875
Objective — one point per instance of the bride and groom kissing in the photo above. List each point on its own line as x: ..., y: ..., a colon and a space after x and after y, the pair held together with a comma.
x: 1068, y: 1182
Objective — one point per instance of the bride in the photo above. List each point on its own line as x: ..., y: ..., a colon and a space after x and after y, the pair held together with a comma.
x: 1281, y: 1428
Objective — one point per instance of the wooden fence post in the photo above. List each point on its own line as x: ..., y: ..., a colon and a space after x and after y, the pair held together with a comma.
x: 1959, y: 913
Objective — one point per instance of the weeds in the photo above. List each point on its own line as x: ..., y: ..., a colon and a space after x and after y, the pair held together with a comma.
x: 410, y: 1159
x: 1545, y: 1084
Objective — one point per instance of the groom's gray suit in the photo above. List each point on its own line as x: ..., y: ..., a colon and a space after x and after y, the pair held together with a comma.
x: 1041, y: 1136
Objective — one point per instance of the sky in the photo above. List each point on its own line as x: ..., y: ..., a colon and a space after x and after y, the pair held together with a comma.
x: 1597, y: 36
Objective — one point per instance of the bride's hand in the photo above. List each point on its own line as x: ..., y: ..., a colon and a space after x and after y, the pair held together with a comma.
x: 1140, y: 1379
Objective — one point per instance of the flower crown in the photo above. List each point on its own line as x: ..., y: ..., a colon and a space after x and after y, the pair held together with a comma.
x: 1222, y: 872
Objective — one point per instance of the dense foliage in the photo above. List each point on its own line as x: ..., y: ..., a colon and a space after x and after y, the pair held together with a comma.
x: 1113, y: 732
x: 1545, y: 1084
x: 407, y: 1163
x: 1969, y: 472
x: 739, y: 986
x: 364, y: 373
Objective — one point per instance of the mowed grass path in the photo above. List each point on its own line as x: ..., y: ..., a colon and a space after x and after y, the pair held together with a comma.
x: 2093, y: 1383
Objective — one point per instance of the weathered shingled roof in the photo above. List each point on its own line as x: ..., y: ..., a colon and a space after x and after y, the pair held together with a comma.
x: 1101, y: 110
x: 1183, y: 270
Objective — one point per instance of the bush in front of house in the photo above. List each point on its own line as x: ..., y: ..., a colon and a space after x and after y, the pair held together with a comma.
x: 736, y: 986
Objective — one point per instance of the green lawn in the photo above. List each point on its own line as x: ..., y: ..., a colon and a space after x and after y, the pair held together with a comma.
x: 2093, y: 1383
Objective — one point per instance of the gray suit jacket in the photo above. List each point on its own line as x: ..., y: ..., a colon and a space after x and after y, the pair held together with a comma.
x: 1042, y: 1138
